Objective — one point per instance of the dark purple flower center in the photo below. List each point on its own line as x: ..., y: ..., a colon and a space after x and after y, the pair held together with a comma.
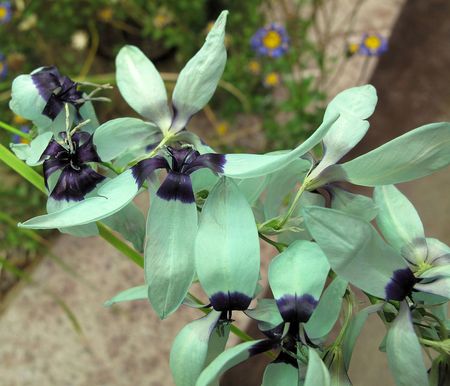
x: 56, y: 90
x: 296, y: 309
x: 184, y: 161
x: 401, y: 284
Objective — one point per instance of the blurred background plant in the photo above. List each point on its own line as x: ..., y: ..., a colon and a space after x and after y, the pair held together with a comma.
x: 272, y: 94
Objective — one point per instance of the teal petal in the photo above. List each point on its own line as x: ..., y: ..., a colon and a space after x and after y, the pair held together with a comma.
x: 115, y: 137
x: 266, y: 313
x: 317, y: 373
x: 198, y: 80
x: 227, y: 244
x: 327, y: 312
x: 189, y: 352
x: 32, y: 153
x: 142, y: 87
x: 413, y: 155
x: 438, y: 252
x: 400, y: 224
x: 280, y: 374
x: 354, y: 106
x: 300, y: 270
x: 87, y: 111
x: 360, y: 256
x: 404, y: 352
x: 354, y: 330
x: 228, y: 359
x: 109, y: 199
x: 169, y: 253
x: 130, y: 294
x: 255, y: 165
x: 354, y: 204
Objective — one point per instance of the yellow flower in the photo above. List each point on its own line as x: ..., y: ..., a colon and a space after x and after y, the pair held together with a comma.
x: 373, y: 42
x: 353, y: 48
x: 254, y: 67
x: 272, y: 79
x: 105, y: 14
x: 272, y: 40
x: 163, y: 18
x: 18, y: 120
x: 222, y: 128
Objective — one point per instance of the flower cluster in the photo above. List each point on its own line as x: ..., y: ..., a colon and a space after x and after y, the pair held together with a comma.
x: 208, y: 212
x: 370, y: 45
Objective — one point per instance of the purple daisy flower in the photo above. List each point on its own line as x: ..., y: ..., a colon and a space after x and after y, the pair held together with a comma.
x: 373, y: 45
x: 5, y: 12
x: 3, y: 67
x: 272, y: 41
x: 18, y: 139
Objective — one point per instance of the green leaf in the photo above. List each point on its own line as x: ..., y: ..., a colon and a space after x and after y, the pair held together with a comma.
x: 115, y: 137
x: 413, y: 155
x: 198, y: 80
x: 354, y: 204
x: 404, y: 352
x: 169, y: 253
x: 111, y: 197
x: 32, y: 153
x: 354, y: 330
x: 134, y: 293
x: 227, y: 244
x: 280, y: 374
x: 142, y: 87
x: 317, y: 373
x: 327, y: 312
x: 360, y: 256
x: 189, y: 352
x: 255, y: 165
x: 300, y: 269
x: 400, y: 224
x: 227, y: 360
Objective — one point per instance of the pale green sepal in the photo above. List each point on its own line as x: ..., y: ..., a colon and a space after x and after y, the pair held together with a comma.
x: 142, y: 87
x: 300, y: 269
x: 404, y: 352
x: 317, y: 373
x: 354, y: 330
x: 198, y: 79
x: 227, y: 254
x: 115, y: 137
x: 169, y: 253
x: 27, y: 102
x: 327, y: 312
x: 354, y: 106
x: 280, y: 374
x: 400, y: 224
x: 359, y: 256
x: 190, y: 349
x: 252, y: 188
x: 109, y: 199
x: 225, y: 361
x: 130, y: 223
x: 266, y: 313
x: 438, y: 252
x: 87, y: 112
x: 437, y: 285
x: 413, y: 155
x: 86, y: 230
x: 354, y: 204
x: 32, y: 153
x: 130, y: 294
x: 255, y: 165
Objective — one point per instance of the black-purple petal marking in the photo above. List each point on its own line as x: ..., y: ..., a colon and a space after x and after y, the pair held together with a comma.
x: 262, y: 346
x: 230, y: 301
x: 56, y: 89
x: 143, y: 169
x: 213, y: 161
x: 296, y: 309
x: 77, y: 178
x: 400, y: 285
x: 178, y: 187
x: 73, y: 184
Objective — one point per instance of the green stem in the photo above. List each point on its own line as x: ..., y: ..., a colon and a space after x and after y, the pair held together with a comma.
x: 279, y: 246
x: 13, y: 130
x: 293, y: 205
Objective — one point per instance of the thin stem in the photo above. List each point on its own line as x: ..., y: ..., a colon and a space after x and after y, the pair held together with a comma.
x: 13, y: 130
x: 280, y: 247
x: 293, y: 205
